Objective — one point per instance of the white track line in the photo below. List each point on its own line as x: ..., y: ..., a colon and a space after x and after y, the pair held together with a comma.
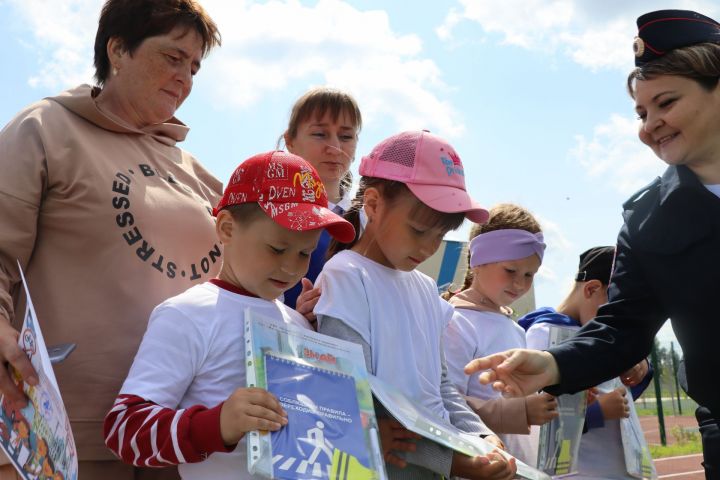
x: 678, y: 458
x: 681, y: 474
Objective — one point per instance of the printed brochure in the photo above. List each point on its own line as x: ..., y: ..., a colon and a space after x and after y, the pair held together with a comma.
x: 417, y: 419
x: 37, y: 438
x: 560, y: 438
x: 638, y: 461
x: 322, y: 384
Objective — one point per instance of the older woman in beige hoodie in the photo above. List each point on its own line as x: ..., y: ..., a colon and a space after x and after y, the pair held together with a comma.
x: 106, y: 215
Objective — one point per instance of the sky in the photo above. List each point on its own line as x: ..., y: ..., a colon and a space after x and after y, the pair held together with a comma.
x: 531, y: 93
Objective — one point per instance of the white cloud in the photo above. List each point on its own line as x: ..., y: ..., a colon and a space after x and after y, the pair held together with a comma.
x: 596, y: 35
x: 267, y: 48
x: 616, y: 156
x: 64, y: 34
x: 558, y: 254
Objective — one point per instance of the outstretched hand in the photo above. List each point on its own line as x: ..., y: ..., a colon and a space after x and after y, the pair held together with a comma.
x: 516, y: 372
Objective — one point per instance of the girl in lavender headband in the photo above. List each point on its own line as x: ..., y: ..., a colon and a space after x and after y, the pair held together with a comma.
x: 504, y: 255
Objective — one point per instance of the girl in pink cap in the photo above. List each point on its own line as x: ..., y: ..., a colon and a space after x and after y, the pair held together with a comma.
x: 504, y: 255
x: 412, y: 192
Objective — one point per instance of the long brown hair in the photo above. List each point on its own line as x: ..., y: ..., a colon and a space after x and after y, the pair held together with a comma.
x: 502, y: 216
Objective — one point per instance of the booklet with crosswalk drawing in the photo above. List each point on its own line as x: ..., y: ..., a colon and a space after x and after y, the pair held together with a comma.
x: 322, y: 384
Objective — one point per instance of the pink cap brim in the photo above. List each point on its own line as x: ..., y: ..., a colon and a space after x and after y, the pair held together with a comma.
x: 450, y: 200
x: 308, y: 216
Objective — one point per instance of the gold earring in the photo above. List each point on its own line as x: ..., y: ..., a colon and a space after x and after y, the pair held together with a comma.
x: 114, y: 71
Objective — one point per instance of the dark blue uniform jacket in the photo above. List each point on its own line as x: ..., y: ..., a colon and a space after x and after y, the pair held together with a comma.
x: 667, y: 265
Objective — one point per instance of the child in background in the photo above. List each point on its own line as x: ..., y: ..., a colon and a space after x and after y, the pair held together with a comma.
x: 601, y: 449
x: 503, y: 257
x: 323, y: 129
x: 412, y: 192
x: 184, y: 400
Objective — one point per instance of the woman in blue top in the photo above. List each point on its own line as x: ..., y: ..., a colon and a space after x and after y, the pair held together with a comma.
x: 323, y: 129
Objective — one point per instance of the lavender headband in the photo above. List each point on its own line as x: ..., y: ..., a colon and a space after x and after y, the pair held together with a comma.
x: 504, y: 245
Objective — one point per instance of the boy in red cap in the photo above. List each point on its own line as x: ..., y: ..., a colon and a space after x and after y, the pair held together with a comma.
x: 183, y: 402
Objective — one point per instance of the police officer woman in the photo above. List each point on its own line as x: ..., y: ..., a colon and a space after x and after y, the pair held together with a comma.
x: 667, y: 263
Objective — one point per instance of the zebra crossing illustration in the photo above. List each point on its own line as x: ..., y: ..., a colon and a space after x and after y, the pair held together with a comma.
x: 286, y: 464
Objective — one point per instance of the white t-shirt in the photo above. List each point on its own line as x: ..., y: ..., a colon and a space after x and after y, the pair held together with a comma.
x: 474, y: 334
x: 399, y: 314
x: 193, y: 354
x: 601, y: 450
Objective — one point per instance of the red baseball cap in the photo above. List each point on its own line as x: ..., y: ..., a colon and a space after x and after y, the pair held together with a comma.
x: 289, y: 190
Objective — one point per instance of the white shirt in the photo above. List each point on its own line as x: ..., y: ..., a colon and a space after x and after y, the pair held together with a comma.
x: 399, y: 314
x: 193, y: 354
x: 474, y: 334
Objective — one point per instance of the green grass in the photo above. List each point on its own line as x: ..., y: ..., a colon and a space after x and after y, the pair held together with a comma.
x: 658, y: 451
x: 647, y: 406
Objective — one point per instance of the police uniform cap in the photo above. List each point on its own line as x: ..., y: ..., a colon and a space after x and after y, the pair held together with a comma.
x: 664, y: 30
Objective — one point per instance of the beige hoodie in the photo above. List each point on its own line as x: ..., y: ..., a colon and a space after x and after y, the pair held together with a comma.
x: 107, y: 222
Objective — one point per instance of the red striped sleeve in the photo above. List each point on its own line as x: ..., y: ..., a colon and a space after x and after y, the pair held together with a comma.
x: 145, y: 434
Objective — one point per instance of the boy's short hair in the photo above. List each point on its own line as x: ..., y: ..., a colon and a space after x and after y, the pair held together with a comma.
x: 245, y: 213
x: 596, y: 264
x: 287, y: 189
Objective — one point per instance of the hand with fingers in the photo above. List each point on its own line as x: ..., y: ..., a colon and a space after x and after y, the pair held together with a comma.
x: 395, y: 438
x: 493, y: 466
x: 307, y: 300
x: 516, y: 372
x: 12, y: 354
x: 541, y: 408
x: 248, y: 409
x: 614, y: 404
x: 592, y: 395
x: 636, y: 374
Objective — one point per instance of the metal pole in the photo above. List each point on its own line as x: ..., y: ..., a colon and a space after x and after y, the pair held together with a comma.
x: 658, y: 397
x: 675, y: 369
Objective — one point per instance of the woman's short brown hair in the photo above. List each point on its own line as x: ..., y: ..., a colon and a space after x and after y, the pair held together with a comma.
x: 699, y: 62
x: 314, y: 104
x: 132, y: 21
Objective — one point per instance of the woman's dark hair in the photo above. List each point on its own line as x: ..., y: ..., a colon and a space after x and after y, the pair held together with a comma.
x: 132, y: 21
x: 502, y: 216
x: 314, y: 104
x: 391, y: 190
x: 699, y: 62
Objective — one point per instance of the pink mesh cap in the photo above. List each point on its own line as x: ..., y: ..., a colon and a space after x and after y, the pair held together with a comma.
x: 431, y: 169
